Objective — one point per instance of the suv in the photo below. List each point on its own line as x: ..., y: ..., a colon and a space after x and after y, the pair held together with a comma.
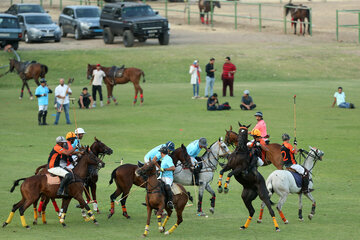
x: 10, y: 31
x: 15, y: 9
x: 133, y: 20
x: 81, y: 21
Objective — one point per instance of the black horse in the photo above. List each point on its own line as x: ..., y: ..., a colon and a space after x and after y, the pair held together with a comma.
x: 246, y: 174
x: 298, y: 12
x: 205, y: 7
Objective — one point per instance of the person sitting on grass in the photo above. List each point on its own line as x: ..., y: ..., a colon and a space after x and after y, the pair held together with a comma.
x: 85, y: 99
x: 247, y: 102
x: 339, y: 99
x: 213, y: 104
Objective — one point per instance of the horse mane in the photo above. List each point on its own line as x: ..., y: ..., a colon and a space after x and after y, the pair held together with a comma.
x: 209, y: 148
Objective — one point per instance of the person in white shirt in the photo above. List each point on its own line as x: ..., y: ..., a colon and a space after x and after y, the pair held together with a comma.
x: 339, y: 99
x: 97, y: 79
x: 195, y: 78
x: 62, y: 93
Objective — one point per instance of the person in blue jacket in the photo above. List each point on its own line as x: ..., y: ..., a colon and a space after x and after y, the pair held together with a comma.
x: 193, y: 150
x: 155, y: 155
x: 41, y: 93
x: 167, y: 169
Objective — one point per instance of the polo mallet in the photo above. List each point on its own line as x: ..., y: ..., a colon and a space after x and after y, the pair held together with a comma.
x: 295, y: 118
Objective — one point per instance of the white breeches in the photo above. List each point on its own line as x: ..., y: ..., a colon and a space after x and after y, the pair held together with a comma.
x: 58, y: 171
x: 259, y: 162
x: 298, y: 168
x: 70, y: 166
x: 167, y: 180
x: 43, y: 107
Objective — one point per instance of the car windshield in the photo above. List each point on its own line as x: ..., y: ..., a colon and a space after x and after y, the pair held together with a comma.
x: 138, y: 11
x: 6, y: 22
x: 30, y: 9
x: 38, y: 20
x: 87, y: 13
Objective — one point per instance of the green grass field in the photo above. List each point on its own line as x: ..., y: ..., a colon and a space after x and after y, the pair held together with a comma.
x: 272, y: 72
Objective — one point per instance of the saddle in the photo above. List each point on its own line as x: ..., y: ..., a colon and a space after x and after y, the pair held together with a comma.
x: 24, y: 66
x: 297, y: 177
x: 116, y: 72
x: 52, y: 179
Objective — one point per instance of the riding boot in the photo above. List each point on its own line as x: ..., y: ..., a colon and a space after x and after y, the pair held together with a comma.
x: 63, y: 185
x: 305, y: 182
x: 197, y: 173
x: 44, y: 118
x: 169, y: 196
x: 40, y: 113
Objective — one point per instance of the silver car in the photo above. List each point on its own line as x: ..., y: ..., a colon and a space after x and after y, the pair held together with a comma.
x: 38, y: 27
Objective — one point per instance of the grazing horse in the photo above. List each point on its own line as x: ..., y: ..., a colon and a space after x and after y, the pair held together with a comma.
x: 33, y: 187
x: 205, y: 7
x: 28, y: 71
x: 125, y: 177
x: 252, y: 181
x: 209, y: 161
x: 298, y: 12
x: 129, y: 75
x: 155, y: 198
x: 282, y: 182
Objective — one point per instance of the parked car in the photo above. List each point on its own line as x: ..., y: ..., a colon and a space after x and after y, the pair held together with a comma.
x: 133, y: 21
x: 82, y: 21
x: 38, y: 27
x: 15, y: 9
x: 10, y: 31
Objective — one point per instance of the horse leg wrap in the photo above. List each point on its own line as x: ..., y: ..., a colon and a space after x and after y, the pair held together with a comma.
x: 108, y: 100
x: 9, y: 219
x: 95, y: 206
x: 62, y: 218
x: 220, y: 180
x: 43, y: 217
x: 55, y: 205
x: 282, y: 216
x: 159, y: 222
x: 142, y: 97
x: 202, y: 19
x: 212, y: 201
x: 227, y: 182
x: 91, y: 215
x: 261, y: 213
x: 300, y: 214
x: 248, y: 222
x: 199, y: 206
x: 40, y: 206
x: 135, y: 99
x: 313, y: 208
x: 146, y: 230
x: 292, y: 22
x: 275, y: 223
x: 172, y: 229
x: 23, y: 221
x: 165, y: 221
x: 35, y: 214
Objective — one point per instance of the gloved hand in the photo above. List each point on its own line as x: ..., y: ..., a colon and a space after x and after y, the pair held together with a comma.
x: 162, y: 170
x: 295, y: 142
x: 258, y: 144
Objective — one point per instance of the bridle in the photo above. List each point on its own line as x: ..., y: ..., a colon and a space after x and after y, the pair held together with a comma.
x: 210, y: 164
x: 314, y: 154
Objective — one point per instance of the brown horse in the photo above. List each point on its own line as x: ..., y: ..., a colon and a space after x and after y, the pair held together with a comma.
x: 125, y: 177
x: 298, y: 12
x: 205, y: 7
x: 35, y: 186
x: 100, y: 150
x: 129, y: 75
x: 155, y: 198
x: 28, y: 71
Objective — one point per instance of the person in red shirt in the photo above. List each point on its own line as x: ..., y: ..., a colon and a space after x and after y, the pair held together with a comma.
x: 227, y: 76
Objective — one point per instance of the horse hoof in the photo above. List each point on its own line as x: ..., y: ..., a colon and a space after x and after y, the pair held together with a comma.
x: 64, y: 225
x: 212, y: 210
x: 310, y: 216
x: 220, y: 189
x: 27, y: 227
x: 259, y: 221
x: 167, y: 233
x: 116, y: 103
x: 202, y: 214
x: 242, y: 228
x: 20, y: 98
x: 301, y: 219
x: 96, y: 222
x: 144, y: 236
x: 277, y: 229
x: 45, y: 222
x: 226, y: 190
x: 5, y: 224
x: 161, y: 229
x: 35, y: 222
x: 286, y: 222
x: 31, y: 98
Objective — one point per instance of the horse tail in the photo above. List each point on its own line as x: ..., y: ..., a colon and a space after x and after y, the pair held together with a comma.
x: 39, y: 168
x: 16, y: 183
x: 113, y: 175
x: 143, y: 75
x: 44, y: 70
x: 190, y: 197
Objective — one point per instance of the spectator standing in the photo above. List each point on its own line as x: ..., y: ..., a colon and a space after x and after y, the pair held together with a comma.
x: 339, y: 99
x: 195, y: 78
x: 227, y: 76
x: 85, y: 99
x: 247, y: 101
x: 210, y: 77
x: 62, y: 93
x: 97, y: 79
x: 41, y: 93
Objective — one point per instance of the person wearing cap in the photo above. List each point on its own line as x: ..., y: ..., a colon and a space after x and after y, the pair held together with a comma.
x: 195, y: 78
x: 79, y: 132
x: 96, y: 81
x: 261, y: 126
x: 339, y: 99
x: 70, y: 138
x: 193, y: 150
x: 247, y: 101
x: 85, y: 99
x: 260, y: 148
x: 288, y: 154
x: 56, y: 160
x: 155, y: 155
x: 167, y: 169
x: 41, y: 93
x: 210, y: 78
x: 62, y: 93
x: 227, y: 76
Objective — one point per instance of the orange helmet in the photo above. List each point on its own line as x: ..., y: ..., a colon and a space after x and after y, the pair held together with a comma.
x: 70, y: 135
x: 256, y: 133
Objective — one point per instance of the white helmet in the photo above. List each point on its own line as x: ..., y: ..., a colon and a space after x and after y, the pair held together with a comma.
x: 79, y: 131
x: 60, y: 139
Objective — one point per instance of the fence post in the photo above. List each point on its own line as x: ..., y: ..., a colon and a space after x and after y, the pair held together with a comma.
x: 50, y: 3
x: 11, y: 2
x: 285, y: 23
x: 259, y: 17
x: 337, y: 25
x: 166, y: 8
x: 80, y: 2
x: 235, y: 2
x: 211, y: 13
x: 310, y: 23
x: 22, y: 1
x: 188, y: 3
x: 359, y: 25
x: 101, y: 3
x: 60, y: 6
x: 41, y: 2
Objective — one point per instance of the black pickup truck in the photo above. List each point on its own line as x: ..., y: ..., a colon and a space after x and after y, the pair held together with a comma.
x: 133, y: 21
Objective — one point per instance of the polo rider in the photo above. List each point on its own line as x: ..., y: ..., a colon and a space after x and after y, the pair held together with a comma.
x: 261, y: 126
x: 167, y: 176
x: 70, y: 137
x: 288, y: 152
x: 260, y: 147
x: 155, y: 155
x: 58, y: 155
x: 193, y: 150
x: 79, y: 132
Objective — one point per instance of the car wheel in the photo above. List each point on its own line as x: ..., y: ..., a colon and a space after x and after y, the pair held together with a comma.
x: 57, y: 39
x: 142, y: 39
x: 108, y: 36
x: 78, y: 34
x: 63, y: 33
x: 164, y: 38
x: 26, y: 38
x: 128, y: 38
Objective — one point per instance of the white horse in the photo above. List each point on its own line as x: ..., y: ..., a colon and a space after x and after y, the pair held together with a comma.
x: 210, y: 161
x: 282, y: 183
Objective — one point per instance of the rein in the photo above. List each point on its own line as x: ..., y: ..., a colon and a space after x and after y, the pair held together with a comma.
x: 209, y: 163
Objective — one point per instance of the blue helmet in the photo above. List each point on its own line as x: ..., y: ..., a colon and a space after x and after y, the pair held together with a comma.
x: 170, y: 145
